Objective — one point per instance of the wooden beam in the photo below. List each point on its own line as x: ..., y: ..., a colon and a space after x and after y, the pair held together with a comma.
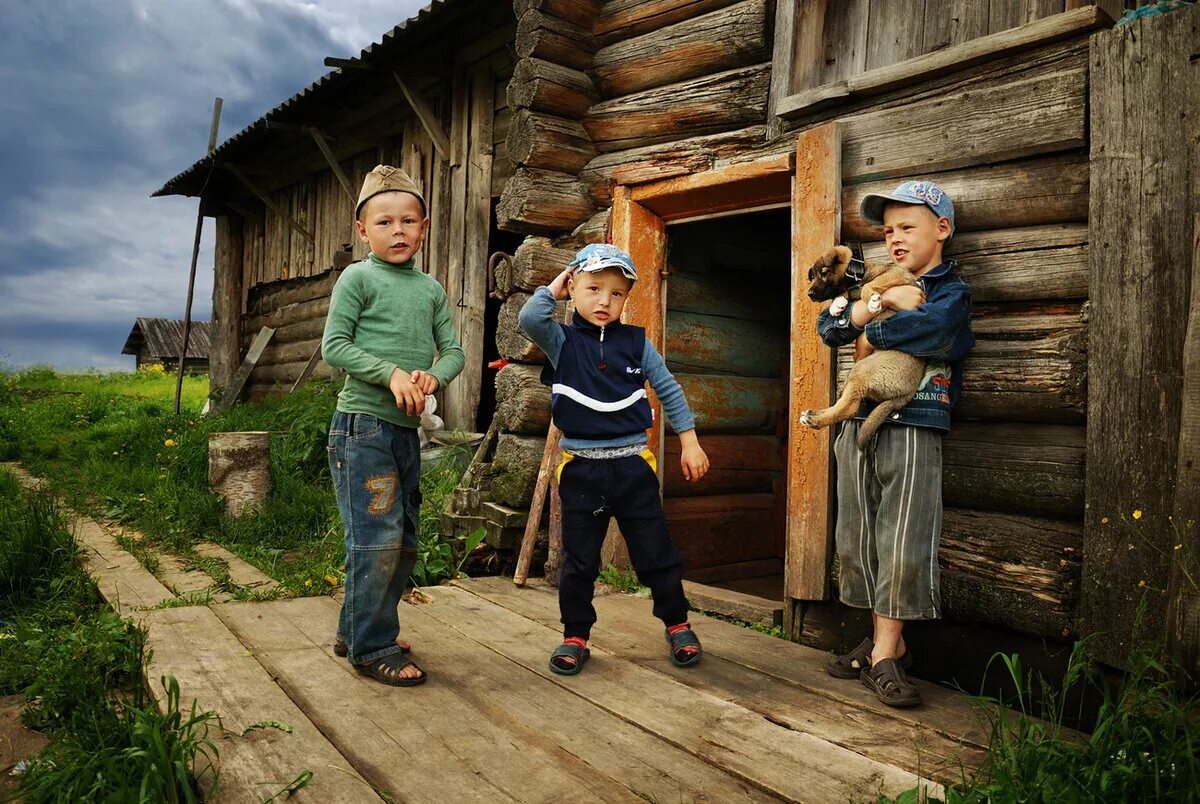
x: 249, y: 185
x: 816, y: 224
x: 1054, y: 28
x: 230, y: 397
x: 319, y: 139
x: 427, y: 117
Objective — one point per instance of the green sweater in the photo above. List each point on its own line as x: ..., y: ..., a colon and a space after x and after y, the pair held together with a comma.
x: 383, y: 316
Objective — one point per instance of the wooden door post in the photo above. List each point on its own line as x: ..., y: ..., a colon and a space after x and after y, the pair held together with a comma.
x: 816, y: 224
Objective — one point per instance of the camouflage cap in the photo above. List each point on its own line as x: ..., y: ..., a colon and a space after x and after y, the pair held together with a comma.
x: 385, y: 178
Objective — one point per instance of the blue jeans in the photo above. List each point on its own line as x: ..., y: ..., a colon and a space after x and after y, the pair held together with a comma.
x: 376, y: 469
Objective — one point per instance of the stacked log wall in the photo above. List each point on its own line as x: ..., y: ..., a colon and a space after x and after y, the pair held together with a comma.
x: 1007, y: 139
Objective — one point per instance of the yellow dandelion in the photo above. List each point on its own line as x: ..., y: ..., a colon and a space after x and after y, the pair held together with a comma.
x: 170, y: 442
x: 1179, y: 547
x: 1103, y: 520
x: 1137, y: 513
x: 1141, y: 584
x: 169, y: 430
x: 308, y: 581
x: 116, y: 453
x: 162, y: 477
x: 332, y: 581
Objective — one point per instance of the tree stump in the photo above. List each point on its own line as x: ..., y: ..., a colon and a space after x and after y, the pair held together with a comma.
x: 239, y: 469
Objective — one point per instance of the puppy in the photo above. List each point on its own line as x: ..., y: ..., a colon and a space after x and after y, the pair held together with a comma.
x: 887, y: 377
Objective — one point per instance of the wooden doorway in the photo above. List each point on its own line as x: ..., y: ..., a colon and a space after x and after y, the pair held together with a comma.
x: 736, y: 413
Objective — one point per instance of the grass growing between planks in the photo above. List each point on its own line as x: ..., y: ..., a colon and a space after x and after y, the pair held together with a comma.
x: 112, y: 447
x: 79, y: 666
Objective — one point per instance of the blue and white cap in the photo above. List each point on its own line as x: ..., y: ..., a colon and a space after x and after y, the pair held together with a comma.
x: 910, y: 192
x: 598, y: 256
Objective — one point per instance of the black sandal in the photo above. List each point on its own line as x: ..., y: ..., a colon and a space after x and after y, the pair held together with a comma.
x: 341, y: 649
x: 568, y: 658
x: 387, y: 669
x: 681, y: 640
x: 887, y: 680
x: 842, y: 665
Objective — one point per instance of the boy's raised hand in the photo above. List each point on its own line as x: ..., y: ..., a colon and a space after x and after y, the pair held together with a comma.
x: 408, y: 395
x: 558, y: 288
x: 903, y: 297
x: 425, y: 381
x: 692, y: 459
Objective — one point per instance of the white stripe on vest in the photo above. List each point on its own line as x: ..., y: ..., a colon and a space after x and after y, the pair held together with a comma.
x: 596, y: 404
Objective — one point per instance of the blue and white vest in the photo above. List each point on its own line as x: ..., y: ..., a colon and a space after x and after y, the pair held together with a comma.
x: 598, y: 389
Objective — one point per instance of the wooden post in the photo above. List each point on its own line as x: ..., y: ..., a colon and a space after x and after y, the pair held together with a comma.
x: 239, y: 469
x: 1145, y: 100
x: 225, y: 341
x: 187, y: 308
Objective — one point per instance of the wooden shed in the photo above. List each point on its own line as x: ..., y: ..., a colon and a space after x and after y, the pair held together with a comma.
x: 157, y: 340
x: 726, y: 144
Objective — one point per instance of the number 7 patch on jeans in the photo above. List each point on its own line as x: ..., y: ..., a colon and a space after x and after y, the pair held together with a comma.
x: 383, y: 489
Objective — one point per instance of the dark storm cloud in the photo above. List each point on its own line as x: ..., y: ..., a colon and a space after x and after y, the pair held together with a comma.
x: 100, y: 104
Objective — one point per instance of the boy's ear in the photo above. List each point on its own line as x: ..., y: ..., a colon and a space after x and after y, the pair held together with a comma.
x: 362, y: 230
x: 943, y: 226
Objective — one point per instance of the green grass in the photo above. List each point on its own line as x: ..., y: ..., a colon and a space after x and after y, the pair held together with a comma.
x: 112, y: 447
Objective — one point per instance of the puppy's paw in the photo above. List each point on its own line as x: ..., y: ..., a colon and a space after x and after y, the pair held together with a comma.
x: 838, y: 305
x: 806, y: 418
x: 875, y: 304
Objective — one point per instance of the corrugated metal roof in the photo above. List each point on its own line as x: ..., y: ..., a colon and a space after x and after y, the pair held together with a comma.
x: 161, y: 338
x: 327, y: 83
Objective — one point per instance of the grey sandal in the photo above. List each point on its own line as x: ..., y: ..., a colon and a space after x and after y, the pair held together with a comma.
x: 568, y: 658
x: 387, y: 669
x: 887, y: 680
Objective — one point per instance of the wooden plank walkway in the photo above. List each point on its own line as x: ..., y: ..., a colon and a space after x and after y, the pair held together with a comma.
x: 757, y: 720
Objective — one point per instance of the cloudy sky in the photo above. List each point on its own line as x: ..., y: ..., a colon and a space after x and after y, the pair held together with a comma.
x: 101, y: 103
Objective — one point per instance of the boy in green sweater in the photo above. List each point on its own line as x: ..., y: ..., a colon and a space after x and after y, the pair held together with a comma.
x: 385, y: 318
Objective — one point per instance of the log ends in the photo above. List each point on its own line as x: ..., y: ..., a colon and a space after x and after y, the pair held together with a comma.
x: 543, y: 201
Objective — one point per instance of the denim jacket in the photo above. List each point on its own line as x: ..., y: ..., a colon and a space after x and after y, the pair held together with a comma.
x: 938, y: 331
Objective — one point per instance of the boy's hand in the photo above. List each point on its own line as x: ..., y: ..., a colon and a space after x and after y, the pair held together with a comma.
x: 408, y: 395
x: 558, y: 288
x: 903, y: 297
x: 862, y: 347
x: 692, y: 459
x: 425, y: 381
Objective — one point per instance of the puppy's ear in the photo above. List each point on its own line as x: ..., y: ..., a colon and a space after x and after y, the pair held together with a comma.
x: 812, y: 272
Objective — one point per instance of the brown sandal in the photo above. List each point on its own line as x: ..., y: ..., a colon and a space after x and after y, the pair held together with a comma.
x: 387, y: 669
x: 887, y: 680
x: 843, y: 665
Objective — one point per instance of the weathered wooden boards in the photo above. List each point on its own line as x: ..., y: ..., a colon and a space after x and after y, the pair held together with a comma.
x: 1143, y: 225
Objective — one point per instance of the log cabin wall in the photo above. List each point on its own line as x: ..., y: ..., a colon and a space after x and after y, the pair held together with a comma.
x: 994, y: 108
x: 278, y: 252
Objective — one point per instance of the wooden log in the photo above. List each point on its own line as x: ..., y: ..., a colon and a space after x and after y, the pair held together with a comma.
x: 1018, y: 571
x: 511, y: 342
x: 730, y: 37
x: 593, y: 230
x: 290, y: 314
x: 545, y: 87
x: 1027, y: 192
x: 678, y: 157
x: 716, y: 293
x: 543, y: 201
x: 727, y: 100
x: 724, y: 403
x: 522, y: 402
x: 547, y: 37
x: 233, y: 392
x: 579, y: 12
x: 300, y: 330
x: 267, y: 298
x: 1042, y: 114
x: 288, y: 373
x: 714, y: 344
x: 548, y: 142
x: 1024, y: 264
x: 623, y: 19
x: 1144, y: 212
x: 537, y: 261
x: 289, y: 352
x: 737, y: 465
x: 1028, y: 469
x: 515, y: 469
x: 239, y: 469
x: 704, y: 525
x: 226, y: 327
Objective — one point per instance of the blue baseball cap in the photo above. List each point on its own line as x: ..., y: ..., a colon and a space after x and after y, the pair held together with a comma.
x: 910, y: 192
x: 598, y: 256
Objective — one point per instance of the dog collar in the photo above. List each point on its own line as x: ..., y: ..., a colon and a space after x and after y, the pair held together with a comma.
x: 856, y: 271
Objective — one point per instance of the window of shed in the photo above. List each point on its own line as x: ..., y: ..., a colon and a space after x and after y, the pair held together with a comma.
x: 827, y: 50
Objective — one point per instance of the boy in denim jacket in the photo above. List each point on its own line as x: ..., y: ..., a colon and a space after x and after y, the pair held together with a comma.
x: 890, y: 495
x: 598, y: 368
x: 385, y: 319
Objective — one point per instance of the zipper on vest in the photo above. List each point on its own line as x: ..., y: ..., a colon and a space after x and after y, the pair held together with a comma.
x: 602, y: 366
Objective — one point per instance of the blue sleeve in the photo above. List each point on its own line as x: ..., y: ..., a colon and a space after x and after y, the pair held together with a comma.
x: 536, y: 320
x: 674, y: 403
x: 931, y: 330
x: 837, y: 331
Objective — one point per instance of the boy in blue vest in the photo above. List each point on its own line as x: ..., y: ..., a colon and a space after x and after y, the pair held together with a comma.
x: 598, y: 368
x: 889, y: 518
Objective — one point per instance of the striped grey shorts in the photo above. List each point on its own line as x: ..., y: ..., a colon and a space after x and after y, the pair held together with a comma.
x: 889, y: 520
